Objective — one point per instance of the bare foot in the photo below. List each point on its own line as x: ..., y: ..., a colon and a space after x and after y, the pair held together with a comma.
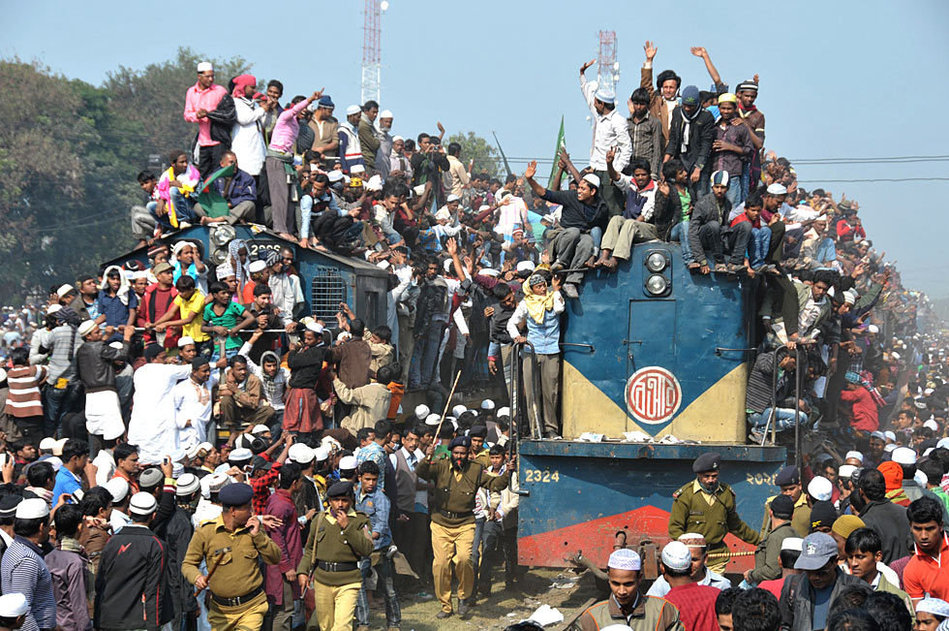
x: 610, y: 263
x: 287, y: 236
x: 590, y: 262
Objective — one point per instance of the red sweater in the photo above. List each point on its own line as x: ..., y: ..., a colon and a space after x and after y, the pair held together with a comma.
x: 865, y: 417
x: 696, y: 604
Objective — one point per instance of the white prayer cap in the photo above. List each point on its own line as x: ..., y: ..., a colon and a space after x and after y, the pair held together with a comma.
x: 64, y: 289
x: 85, y: 328
x: 205, y: 66
x: 353, y: 109
x: 873, y: 328
x: 257, y: 266
x: 242, y: 455
x: 592, y: 179
x: 300, y: 453
x: 846, y: 470
x: 421, y: 411
x: 921, y: 478
x: 854, y: 454
x: 895, y: 356
x: 487, y: 404
x: 397, y: 139
x: 13, y: 605
x: 188, y: 483
x: 452, y: 198
x: 525, y: 266
x: 777, y: 189
x: 347, y: 463
x: 693, y: 540
x: 374, y: 183
x: 458, y: 410
x: 795, y: 544
x: 625, y: 559
x: 315, y: 326
x: 118, y: 488
x: 50, y: 310
x: 223, y: 271
x: 505, y: 411
x: 605, y: 94
x: 52, y: 445
x: 849, y: 297
x: 335, y: 175
x: 676, y: 556
x: 32, y: 508
x: 889, y: 435
x: 943, y: 443
x: 322, y: 453
x: 433, y: 420
x: 386, y: 114
x: 331, y: 443
x: 890, y: 448
x: 931, y: 424
x: 904, y: 456
x: 259, y: 429
x: 215, y: 481
x: 935, y: 606
x: 184, y: 340
x: 820, y: 488
x: 928, y: 391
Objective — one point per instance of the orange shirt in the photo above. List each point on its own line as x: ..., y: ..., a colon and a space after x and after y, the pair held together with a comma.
x: 926, y: 576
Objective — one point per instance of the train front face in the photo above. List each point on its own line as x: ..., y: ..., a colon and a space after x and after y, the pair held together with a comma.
x: 650, y: 353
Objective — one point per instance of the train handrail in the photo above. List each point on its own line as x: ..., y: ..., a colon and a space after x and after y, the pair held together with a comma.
x: 771, y: 422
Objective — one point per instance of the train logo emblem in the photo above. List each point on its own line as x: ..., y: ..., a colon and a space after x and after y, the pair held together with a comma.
x: 653, y: 395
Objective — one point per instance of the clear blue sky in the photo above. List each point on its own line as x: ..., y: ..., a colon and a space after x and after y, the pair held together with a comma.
x: 838, y: 79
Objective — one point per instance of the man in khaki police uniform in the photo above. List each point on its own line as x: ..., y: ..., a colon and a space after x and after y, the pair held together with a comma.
x: 707, y: 506
x: 231, y: 546
x: 337, y: 540
x: 456, y: 479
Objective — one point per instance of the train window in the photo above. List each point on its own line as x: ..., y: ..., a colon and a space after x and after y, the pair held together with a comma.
x: 326, y: 292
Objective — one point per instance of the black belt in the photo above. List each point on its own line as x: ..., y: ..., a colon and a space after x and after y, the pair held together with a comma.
x: 343, y: 566
x: 237, y: 600
x: 451, y: 515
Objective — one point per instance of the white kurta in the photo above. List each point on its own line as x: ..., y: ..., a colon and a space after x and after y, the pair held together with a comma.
x: 152, y: 427
x: 247, y: 140
x: 188, y: 397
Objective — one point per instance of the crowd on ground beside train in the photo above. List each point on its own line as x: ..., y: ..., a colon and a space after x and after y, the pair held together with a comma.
x: 261, y: 463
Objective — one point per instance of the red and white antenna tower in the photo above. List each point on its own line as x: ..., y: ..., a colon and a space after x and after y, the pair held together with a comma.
x: 372, y: 50
x: 607, y: 66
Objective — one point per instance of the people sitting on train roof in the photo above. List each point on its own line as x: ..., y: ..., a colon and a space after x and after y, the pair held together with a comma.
x: 582, y: 212
x: 635, y: 224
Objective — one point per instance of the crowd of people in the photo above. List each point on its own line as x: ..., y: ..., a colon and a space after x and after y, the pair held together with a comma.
x: 186, y: 446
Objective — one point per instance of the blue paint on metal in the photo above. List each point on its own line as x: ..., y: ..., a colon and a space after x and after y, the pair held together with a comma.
x: 679, y: 331
x: 595, y: 480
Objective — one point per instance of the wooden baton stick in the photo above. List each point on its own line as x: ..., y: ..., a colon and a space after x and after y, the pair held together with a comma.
x: 447, y: 404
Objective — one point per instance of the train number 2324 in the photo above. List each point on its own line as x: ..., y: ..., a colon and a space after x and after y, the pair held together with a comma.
x: 536, y: 475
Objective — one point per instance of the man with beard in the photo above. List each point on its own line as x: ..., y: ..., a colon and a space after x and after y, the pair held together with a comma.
x: 691, y: 132
x: 707, y: 507
x: 455, y: 480
x: 192, y: 399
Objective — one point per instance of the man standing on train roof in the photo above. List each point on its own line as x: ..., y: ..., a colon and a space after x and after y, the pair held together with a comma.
x: 707, y: 506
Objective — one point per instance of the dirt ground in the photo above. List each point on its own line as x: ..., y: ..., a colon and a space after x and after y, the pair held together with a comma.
x: 565, y: 590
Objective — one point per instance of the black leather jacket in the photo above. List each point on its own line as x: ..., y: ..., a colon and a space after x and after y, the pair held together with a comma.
x: 94, y: 364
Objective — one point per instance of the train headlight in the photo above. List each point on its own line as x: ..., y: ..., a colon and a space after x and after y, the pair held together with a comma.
x: 656, y: 262
x: 656, y: 285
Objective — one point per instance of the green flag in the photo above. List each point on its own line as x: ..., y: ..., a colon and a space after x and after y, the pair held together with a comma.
x: 561, y: 145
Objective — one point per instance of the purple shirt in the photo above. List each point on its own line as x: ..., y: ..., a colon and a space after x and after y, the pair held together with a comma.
x: 288, y: 539
x: 68, y: 570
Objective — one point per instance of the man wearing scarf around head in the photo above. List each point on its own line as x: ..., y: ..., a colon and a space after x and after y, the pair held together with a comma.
x: 541, y: 309
x: 455, y: 480
x: 691, y: 133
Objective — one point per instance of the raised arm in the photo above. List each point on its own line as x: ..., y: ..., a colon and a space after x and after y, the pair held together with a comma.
x: 529, y: 174
x: 700, y: 51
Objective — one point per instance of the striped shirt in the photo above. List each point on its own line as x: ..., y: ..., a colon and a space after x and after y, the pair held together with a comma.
x: 24, y: 399
x: 23, y: 570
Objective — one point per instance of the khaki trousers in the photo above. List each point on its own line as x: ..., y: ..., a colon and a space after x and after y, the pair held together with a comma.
x: 249, y: 617
x: 621, y: 234
x: 452, y: 543
x: 335, y: 606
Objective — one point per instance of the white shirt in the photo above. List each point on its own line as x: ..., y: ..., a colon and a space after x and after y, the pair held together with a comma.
x: 105, y: 466
x: 187, y: 397
x: 247, y: 140
x: 809, y: 313
x: 661, y: 587
x: 118, y: 520
x: 609, y: 130
x: 520, y: 314
x: 153, y: 426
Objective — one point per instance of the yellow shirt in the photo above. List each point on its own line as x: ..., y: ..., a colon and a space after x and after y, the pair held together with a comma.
x: 185, y: 309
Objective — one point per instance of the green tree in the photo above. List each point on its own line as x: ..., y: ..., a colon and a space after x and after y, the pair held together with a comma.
x: 486, y: 158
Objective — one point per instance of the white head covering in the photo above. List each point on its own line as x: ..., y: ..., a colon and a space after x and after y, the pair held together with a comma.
x: 13, y: 605
x: 625, y: 559
x: 118, y: 488
x: 935, y: 606
x: 422, y: 411
x: 854, y: 454
x: 820, y: 488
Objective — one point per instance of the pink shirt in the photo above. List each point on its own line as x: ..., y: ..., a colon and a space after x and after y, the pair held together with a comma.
x: 198, y: 99
x: 286, y: 128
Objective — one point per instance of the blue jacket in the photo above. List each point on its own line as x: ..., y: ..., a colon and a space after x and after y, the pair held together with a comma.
x: 241, y: 188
